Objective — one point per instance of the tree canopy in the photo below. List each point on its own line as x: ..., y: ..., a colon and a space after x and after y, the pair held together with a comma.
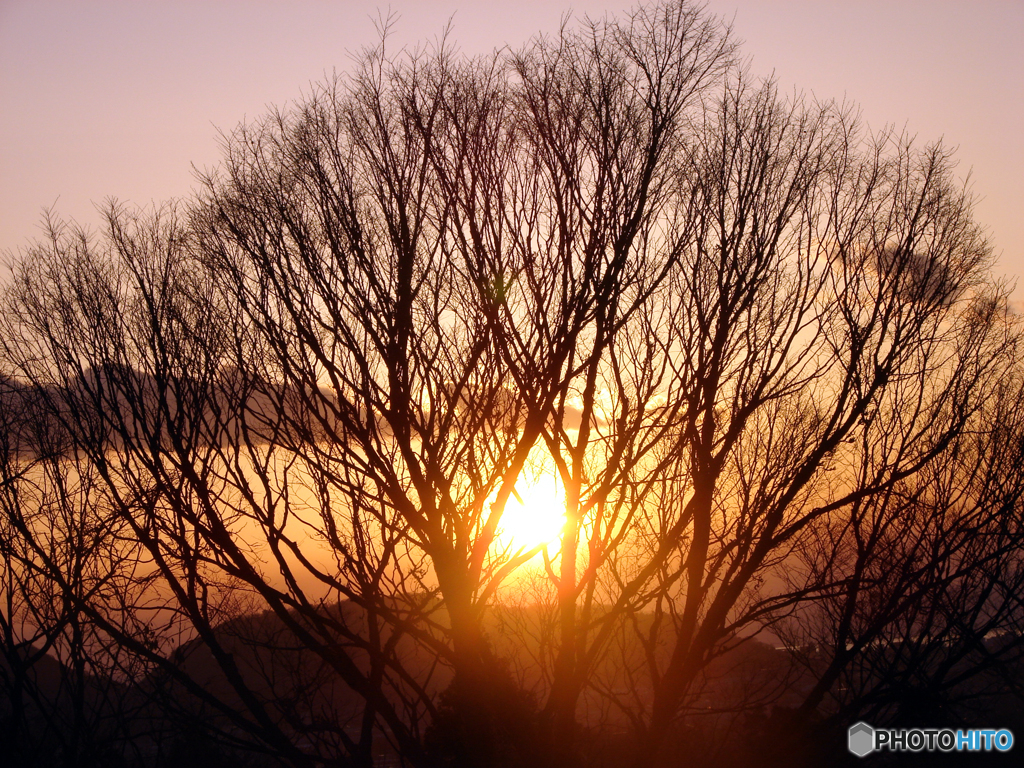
x: 262, y: 446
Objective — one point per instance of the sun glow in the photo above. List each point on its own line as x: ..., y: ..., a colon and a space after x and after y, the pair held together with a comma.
x: 534, y: 516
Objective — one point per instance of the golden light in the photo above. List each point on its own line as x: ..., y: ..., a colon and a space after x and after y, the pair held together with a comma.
x: 534, y: 516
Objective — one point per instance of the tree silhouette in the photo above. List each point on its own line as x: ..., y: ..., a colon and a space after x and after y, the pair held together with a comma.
x: 759, y: 348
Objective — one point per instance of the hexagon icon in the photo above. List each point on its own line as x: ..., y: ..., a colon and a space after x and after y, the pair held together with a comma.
x: 861, y: 739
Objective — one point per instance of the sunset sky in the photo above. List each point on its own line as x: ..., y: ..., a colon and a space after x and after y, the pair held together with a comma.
x: 120, y: 99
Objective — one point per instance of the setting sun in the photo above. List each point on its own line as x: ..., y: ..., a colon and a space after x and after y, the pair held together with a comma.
x: 559, y: 387
x: 535, y: 515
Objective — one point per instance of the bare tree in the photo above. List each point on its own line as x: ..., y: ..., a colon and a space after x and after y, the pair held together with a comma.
x: 910, y: 608
x: 745, y: 336
x: 798, y: 345
x: 64, y: 680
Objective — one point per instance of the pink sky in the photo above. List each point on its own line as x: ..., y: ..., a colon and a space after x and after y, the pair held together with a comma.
x: 119, y: 99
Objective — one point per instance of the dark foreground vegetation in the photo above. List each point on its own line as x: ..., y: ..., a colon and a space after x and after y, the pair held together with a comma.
x: 257, y: 446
